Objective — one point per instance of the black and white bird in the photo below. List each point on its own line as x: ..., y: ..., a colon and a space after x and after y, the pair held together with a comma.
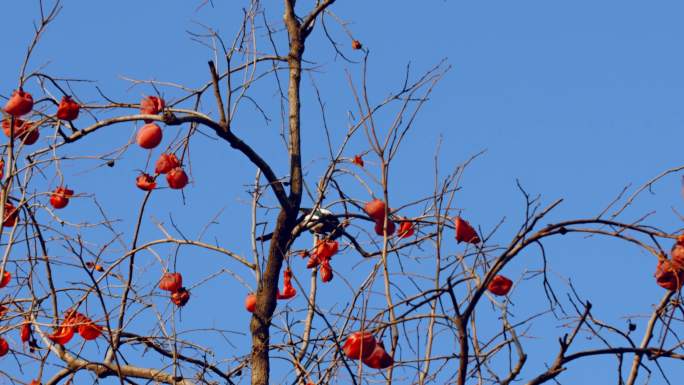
x: 321, y: 222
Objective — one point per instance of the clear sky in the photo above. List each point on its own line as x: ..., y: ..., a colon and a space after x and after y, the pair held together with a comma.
x: 576, y: 100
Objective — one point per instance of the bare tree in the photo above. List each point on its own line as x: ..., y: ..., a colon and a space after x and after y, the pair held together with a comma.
x: 314, y: 222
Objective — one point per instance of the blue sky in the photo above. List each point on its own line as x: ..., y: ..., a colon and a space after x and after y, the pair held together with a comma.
x: 574, y: 99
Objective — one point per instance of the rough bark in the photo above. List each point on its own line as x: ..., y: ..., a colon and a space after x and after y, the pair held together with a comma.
x: 266, y: 298
x: 282, y: 235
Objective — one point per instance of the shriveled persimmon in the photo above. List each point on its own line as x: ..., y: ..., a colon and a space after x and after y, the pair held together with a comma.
x: 145, y: 182
x: 313, y: 261
x: 669, y: 274
x: 25, y: 332
x: 62, y: 335
x: 25, y: 131
x: 465, y: 232
x: 358, y: 160
x: 326, y: 271
x: 151, y: 105
x: 288, y: 290
x: 500, y: 285
x: 93, y: 265
x: 677, y: 252
x: 180, y: 297
x: 10, y: 215
x: 18, y: 125
x: 378, y: 359
x: 166, y: 163
x: 30, y: 135
x: 326, y: 248
x: 89, y: 330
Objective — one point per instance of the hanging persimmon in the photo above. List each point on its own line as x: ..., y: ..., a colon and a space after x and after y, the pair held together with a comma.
x: 171, y: 282
x: 6, y: 277
x: 149, y: 136
x: 151, y: 105
x: 166, y: 163
x: 25, y: 131
x: 378, y: 359
x: 25, y: 332
x: 288, y: 290
x: 177, y: 178
x: 405, y: 229
x: 500, y: 285
x: 359, y: 345
x: 4, y: 347
x: 73, y: 322
x: 465, y: 232
x: 356, y: 45
x: 669, y: 274
x: 93, y: 265
x: 313, y: 261
x: 287, y: 275
x: 20, y: 103
x: 7, y: 125
x: 62, y: 335
x: 180, y: 297
x: 250, y: 302
x: 30, y: 135
x: 287, y: 293
x: 89, y: 330
x: 145, y: 182
x: 68, y: 109
x: 326, y: 271
x: 380, y: 227
x: 326, y: 248
x: 375, y: 209
x: 677, y: 251
x: 3, y: 310
x: 10, y: 215
x: 73, y: 319
x: 59, y: 198
x: 86, y: 328
x: 358, y: 160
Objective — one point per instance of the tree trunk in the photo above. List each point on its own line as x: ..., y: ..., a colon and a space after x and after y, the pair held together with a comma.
x: 266, y: 298
x: 281, y: 241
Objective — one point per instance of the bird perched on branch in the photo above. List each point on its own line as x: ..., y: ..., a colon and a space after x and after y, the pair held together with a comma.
x: 321, y: 222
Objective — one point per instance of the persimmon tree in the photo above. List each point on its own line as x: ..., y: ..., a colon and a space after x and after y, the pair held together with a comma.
x: 93, y: 299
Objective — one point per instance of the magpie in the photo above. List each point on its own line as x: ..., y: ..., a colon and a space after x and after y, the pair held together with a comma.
x: 321, y: 222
